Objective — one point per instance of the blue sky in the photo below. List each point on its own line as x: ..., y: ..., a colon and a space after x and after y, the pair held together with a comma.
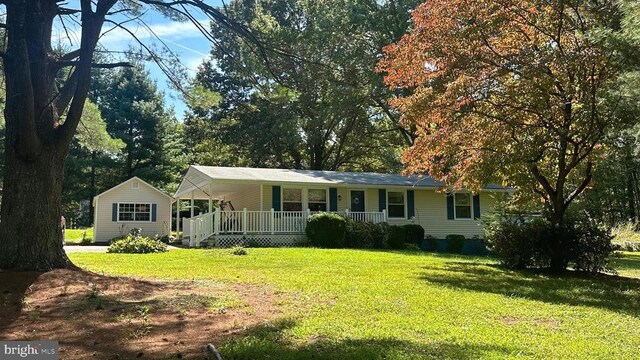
x: 182, y: 38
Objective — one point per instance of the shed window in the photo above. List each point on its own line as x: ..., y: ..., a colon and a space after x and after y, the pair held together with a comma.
x: 317, y: 200
x: 291, y: 199
x: 395, y: 204
x: 134, y: 212
x: 463, y: 205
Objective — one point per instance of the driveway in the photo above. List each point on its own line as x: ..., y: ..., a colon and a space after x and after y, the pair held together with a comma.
x: 90, y: 248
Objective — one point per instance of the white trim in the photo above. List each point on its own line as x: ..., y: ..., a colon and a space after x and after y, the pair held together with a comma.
x: 306, y: 195
x: 387, y: 191
x: 455, y: 212
x: 282, y: 196
x: 135, y: 221
x: 349, y: 190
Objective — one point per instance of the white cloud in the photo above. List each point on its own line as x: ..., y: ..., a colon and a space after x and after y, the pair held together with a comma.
x: 170, y: 31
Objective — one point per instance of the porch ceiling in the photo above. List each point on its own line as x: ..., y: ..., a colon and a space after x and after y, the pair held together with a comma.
x: 198, y: 183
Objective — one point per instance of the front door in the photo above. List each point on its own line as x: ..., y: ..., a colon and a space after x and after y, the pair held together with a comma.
x: 357, y: 200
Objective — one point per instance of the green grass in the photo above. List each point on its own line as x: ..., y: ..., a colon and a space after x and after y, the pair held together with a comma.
x: 351, y: 304
x: 74, y: 236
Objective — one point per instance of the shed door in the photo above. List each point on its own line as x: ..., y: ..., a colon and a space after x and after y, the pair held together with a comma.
x: 357, y: 200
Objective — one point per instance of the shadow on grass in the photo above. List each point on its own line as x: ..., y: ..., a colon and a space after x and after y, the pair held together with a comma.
x: 628, y: 262
x: 270, y: 341
x: 607, y: 292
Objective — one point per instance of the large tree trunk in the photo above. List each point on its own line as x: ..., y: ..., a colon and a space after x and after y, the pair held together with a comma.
x: 30, y: 231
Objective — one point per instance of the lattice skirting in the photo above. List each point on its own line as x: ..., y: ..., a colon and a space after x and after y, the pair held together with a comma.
x: 263, y: 240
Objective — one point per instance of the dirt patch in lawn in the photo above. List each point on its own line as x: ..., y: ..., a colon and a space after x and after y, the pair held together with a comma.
x: 510, y: 321
x: 96, y: 316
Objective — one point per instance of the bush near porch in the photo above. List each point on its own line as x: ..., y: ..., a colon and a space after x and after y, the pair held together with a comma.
x: 355, y: 304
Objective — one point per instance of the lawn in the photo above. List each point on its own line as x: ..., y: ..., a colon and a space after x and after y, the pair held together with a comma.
x: 74, y: 236
x: 351, y: 304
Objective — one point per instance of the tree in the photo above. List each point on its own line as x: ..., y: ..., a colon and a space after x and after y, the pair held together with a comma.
x: 514, y: 92
x: 92, y: 143
x: 325, y: 107
x: 134, y: 112
x: 37, y: 140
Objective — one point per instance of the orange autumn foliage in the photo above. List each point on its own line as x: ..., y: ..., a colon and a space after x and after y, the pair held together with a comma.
x: 507, y: 91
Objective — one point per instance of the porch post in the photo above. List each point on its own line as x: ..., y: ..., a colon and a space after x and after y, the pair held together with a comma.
x: 244, y: 221
x: 178, y: 219
x: 384, y: 215
x: 273, y: 221
x: 261, y: 197
x: 192, y: 204
x: 210, y: 200
x: 216, y: 221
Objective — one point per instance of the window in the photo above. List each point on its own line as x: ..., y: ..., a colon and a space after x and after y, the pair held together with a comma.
x: 134, y: 212
x: 317, y: 200
x: 462, y: 202
x: 291, y: 199
x: 395, y: 204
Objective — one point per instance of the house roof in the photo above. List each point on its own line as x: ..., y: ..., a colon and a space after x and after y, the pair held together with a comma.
x: 127, y: 182
x: 197, y: 176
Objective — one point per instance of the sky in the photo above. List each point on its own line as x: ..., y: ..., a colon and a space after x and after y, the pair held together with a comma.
x: 182, y: 38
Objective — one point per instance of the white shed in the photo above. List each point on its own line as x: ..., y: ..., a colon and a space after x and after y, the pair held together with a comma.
x: 131, y: 204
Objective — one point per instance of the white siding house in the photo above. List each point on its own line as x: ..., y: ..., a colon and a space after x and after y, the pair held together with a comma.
x: 273, y: 204
x: 131, y: 204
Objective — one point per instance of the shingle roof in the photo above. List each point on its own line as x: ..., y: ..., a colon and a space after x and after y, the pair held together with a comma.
x: 319, y: 177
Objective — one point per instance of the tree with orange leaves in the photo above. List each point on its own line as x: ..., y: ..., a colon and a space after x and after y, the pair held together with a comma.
x: 519, y: 92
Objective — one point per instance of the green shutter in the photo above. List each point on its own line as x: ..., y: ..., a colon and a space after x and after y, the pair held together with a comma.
x: 154, y: 212
x: 476, y: 206
x: 382, y: 199
x: 333, y: 199
x: 275, y: 197
x: 411, y: 204
x: 450, y: 210
x: 114, y: 212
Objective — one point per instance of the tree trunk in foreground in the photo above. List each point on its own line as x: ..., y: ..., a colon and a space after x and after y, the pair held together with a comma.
x: 36, y: 141
x: 30, y: 231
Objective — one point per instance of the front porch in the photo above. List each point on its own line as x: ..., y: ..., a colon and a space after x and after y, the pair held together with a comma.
x: 262, y: 212
x: 225, y: 228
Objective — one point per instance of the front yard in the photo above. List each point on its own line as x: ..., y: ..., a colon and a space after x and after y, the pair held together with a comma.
x: 356, y: 304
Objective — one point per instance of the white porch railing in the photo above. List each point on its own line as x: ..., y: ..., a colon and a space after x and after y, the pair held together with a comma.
x: 199, y: 228
x: 368, y: 216
x: 259, y: 222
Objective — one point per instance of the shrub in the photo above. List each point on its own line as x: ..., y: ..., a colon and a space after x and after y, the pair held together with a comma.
x: 239, y: 250
x: 430, y: 243
x: 414, y: 234
x: 167, y: 239
x: 592, y: 246
x: 625, y: 236
x: 326, y: 230
x: 136, y: 245
x: 536, y: 243
x: 365, y: 235
x: 455, y: 243
x: 628, y: 246
x: 397, y: 236
x: 86, y: 240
